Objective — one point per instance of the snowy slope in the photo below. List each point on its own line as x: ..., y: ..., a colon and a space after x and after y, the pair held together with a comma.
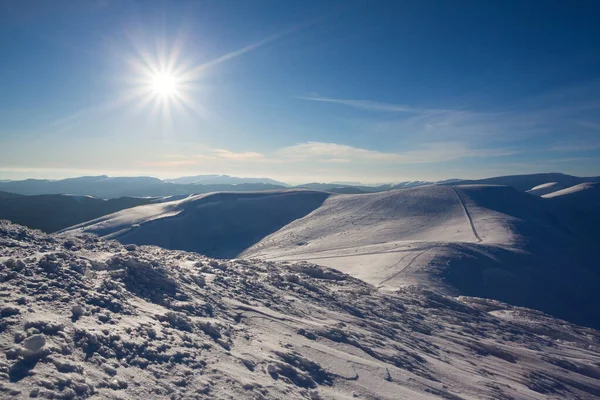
x: 88, y: 318
x: 376, y: 237
x: 477, y: 240
x: 488, y: 241
x: 372, y: 236
x: 217, y: 224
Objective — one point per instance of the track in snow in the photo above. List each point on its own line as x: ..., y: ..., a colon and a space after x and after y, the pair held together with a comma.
x: 406, y: 269
x: 467, y: 214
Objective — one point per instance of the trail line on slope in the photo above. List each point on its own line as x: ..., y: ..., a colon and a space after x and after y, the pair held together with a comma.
x: 404, y: 270
x: 398, y: 262
x: 464, y: 206
x: 294, y: 257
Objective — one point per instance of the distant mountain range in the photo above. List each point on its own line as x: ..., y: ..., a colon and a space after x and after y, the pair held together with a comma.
x: 145, y: 186
x: 140, y: 186
x: 222, y: 180
x: 529, y: 181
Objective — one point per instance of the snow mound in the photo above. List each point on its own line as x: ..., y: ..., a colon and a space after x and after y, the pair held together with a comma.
x: 574, y: 189
x: 216, y: 224
x: 545, y: 188
x: 87, y: 318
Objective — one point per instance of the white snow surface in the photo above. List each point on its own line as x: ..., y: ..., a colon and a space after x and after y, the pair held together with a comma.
x: 573, y: 189
x: 545, y: 188
x: 374, y: 236
x: 83, y: 317
x: 483, y: 240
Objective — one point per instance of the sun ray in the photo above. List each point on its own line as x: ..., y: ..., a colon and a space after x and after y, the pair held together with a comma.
x: 167, y: 84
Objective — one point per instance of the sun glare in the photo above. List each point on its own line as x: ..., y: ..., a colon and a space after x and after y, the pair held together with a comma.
x: 164, y: 84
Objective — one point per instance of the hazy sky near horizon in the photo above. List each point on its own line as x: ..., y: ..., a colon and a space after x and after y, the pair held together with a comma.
x: 370, y: 91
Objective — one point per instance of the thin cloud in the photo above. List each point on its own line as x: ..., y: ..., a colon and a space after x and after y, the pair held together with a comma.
x: 431, y: 153
x: 244, y: 156
x: 575, y: 147
x: 551, y: 115
x: 310, y: 154
x: 376, y: 106
x: 590, y: 125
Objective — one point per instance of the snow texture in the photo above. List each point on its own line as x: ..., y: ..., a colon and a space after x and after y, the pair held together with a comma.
x: 84, y: 317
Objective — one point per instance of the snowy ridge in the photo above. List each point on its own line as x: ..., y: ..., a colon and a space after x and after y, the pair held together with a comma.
x: 479, y: 240
x: 218, y: 224
x: 88, y: 318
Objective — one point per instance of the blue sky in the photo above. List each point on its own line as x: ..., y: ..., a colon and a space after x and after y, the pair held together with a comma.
x: 371, y: 91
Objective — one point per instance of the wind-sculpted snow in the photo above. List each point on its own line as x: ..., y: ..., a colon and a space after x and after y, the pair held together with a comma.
x: 545, y: 188
x: 87, y: 318
x: 591, y: 186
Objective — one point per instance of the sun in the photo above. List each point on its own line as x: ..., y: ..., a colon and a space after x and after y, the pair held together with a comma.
x: 164, y: 84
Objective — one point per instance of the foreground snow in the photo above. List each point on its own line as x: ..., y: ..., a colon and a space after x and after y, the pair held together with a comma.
x: 88, y: 318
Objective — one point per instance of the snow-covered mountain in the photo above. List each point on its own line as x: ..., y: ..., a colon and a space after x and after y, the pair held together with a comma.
x: 217, y: 224
x: 411, y: 184
x: 485, y: 241
x: 86, y: 318
x: 477, y: 240
x: 529, y: 181
x: 113, y: 187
